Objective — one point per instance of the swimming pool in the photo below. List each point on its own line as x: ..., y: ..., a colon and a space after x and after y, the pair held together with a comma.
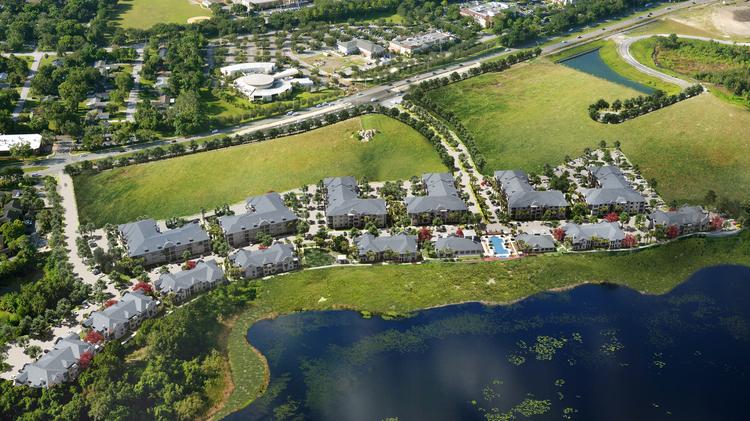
x: 498, y: 244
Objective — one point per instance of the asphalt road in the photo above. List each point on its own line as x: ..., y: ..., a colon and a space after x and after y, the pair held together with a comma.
x: 378, y: 94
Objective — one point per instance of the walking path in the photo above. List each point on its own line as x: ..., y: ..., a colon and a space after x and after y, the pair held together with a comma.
x: 26, y: 89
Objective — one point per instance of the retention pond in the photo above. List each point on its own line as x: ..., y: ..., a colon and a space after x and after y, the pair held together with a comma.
x: 596, y: 352
x: 592, y: 63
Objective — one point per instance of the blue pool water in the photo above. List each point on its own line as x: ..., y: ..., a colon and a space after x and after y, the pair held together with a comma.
x: 499, y: 245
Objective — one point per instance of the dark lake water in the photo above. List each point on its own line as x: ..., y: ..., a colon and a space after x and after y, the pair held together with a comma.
x: 593, y: 64
x: 596, y: 352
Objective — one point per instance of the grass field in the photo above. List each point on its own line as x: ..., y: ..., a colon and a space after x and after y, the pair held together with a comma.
x: 609, y: 55
x: 402, y: 289
x: 181, y: 186
x: 143, y: 14
x: 536, y: 113
x: 697, y: 21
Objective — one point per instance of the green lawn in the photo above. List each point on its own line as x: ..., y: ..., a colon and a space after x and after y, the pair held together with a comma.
x: 536, y: 113
x: 143, y: 14
x: 403, y: 289
x: 609, y: 55
x: 181, y: 186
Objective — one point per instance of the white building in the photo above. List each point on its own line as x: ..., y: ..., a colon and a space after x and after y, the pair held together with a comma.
x: 418, y: 43
x: 484, y: 13
x: 8, y: 141
x: 263, y: 87
x: 248, y: 68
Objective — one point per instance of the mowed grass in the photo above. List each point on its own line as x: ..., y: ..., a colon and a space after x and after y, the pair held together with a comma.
x: 536, y: 113
x: 181, y: 186
x: 612, y: 58
x: 143, y: 14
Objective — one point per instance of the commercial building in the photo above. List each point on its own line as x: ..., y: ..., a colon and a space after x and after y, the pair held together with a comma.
x: 269, y: 4
x: 269, y: 87
x: 368, y: 49
x: 8, y: 141
x: 454, y: 246
x: 265, y: 214
x: 687, y: 219
x: 182, y: 285
x: 144, y: 241
x: 525, y: 203
x: 345, y: 209
x: 401, y: 248
x: 127, y: 314
x: 587, y: 236
x: 248, y: 68
x: 612, y: 193
x: 419, y: 43
x: 535, y: 243
x: 484, y: 13
x: 442, y: 201
x: 61, y: 364
x: 278, y: 258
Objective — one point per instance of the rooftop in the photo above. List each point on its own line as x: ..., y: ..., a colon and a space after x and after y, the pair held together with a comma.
x: 144, y: 236
x: 202, y: 272
x: 400, y: 243
x: 273, y: 255
x: 9, y: 140
x: 262, y: 210
x: 343, y: 198
x: 520, y: 194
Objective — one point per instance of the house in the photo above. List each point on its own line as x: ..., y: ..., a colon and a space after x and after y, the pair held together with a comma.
x: 368, y: 49
x: 535, y: 243
x: 127, y: 314
x: 268, y: 4
x: 587, y: 236
x: 687, y: 219
x: 60, y: 365
x: 278, y: 258
x: 345, y: 209
x: 11, y: 211
x: 248, y: 68
x: 400, y: 248
x: 144, y: 241
x: 8, y: 141
x: 484, y: 13
x: 442, y: 201
x: 453, y: 246
x: 523, y: 202
x: 181, y: 285
x: 612, y: 193
x: 265, y: 214
x: 419, y: 43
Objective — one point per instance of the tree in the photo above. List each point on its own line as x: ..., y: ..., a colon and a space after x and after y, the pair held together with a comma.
x: 559, y: 234
x: 93, y: 337
x: 624, y: 218
x: 147, y: 116
x: 612, y: 217
x: 672, y: 231
x: 21, y: 151
x: 144, y: 287
x: 85, y: 359
x: 717, y: 223
x: 424, y: 234
x: 188, y: 114
x: 629, y: 241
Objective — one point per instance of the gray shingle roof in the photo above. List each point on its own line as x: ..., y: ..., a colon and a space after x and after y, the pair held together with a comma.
x: 520, y: 194
x: 266, y: 209
x: 458, y: 244
x: 273, y: 255
x: 615, y: 189
x: 603, y: 230
x: 686, y: 215
x: 51, y: 368
x: 537, y: 242
x: 400, y: 243
x: 362, y: 44
x: 143, y: 236
x: 343, y: 199
x: 207, y: 272
x: 441, y: 195
x: 131, y: 304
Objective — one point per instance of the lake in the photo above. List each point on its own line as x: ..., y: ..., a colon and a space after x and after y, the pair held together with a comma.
x: 596, y: 352
x: 593, y: 64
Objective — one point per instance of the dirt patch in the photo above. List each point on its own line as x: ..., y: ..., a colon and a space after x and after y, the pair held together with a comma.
x: 733, y: 21
x: 197, y: 19
x: 742, y: 15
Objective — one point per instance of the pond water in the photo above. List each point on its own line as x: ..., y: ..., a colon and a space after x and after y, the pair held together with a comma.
x: 596, y: 352
x: 593, y: 64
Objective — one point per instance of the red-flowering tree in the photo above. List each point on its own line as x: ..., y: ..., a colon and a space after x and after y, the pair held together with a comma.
x: 262, y: 247
x: 94, y: 337
x: 612, y: 217
x: 424, y: 234
x: 109, y: 303
x: 144, y: 287
x: 85, y: 359
x: 673, y: 231
x: 190, y: 264
x: 558, y: 233
x: 460, y: 233
x: 717, y: 223
x: 629, y: 241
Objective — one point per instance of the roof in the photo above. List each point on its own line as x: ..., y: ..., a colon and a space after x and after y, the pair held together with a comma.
x: 614, y: 188
x: 202, y: 272
x: 51, y: 368
x: 131, y: 304
x: 343, y: 199
x: 458, y: 244
x: 488, y: 9
x: 520, y: 194
x: 9, y: 140
x: 441, y: 195
x: 422, y: 40
x: 273, y: 255
x: 537, y: 241
x: 604, y: 230
x: 251, y: 67
x: 362, y: 44
x: 262, y: 210
x: 11, y: 211
x: 144, y: 237
x: 400, y: 243
x: 686, y: 215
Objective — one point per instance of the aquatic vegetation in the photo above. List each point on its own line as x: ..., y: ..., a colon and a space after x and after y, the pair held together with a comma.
x: 559, y: 382
x: 516, y: 359
x: 568, y: 413
x: 611, y: 344
x: 658, y: 361
x: 546, y: 347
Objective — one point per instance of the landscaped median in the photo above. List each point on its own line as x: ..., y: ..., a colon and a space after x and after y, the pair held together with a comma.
x: 394, y: 290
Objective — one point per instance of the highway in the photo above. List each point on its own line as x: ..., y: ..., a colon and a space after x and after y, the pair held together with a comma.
x: 378, y: 94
